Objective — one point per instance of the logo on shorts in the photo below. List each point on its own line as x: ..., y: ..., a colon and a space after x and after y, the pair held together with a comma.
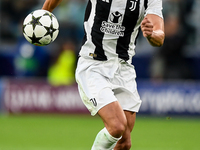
x: 93, y: 100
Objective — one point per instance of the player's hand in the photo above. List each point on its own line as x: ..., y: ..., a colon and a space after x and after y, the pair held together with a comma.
x: 146, y: 27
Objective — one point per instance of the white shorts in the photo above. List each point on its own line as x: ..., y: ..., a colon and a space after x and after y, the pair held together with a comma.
x: 103, y: 82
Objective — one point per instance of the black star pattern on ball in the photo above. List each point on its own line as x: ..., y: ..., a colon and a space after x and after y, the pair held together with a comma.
x: 35, y: 40
x: 47, y: 14
x: 23, y: 28
x: 35, y: 21
x: 50, y: 31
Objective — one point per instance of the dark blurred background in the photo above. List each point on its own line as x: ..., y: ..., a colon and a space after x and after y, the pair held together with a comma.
x: 178, y: 58
x: 41, y: 79
x: 168, y: 82
x: 20, y: 59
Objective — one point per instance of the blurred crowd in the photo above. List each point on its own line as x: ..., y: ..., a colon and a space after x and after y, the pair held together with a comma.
x: 178, y: 58
x: 181, y: 30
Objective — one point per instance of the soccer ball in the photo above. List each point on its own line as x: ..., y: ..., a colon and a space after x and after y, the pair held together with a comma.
x: 40, y: 27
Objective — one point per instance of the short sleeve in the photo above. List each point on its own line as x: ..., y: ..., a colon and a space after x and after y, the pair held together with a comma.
x: 154, y: 7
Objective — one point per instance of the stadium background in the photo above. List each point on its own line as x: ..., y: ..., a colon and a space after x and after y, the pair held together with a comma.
x: 40, y: 108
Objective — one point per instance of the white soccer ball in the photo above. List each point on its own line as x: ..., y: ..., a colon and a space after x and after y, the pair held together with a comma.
x: 40, y: 27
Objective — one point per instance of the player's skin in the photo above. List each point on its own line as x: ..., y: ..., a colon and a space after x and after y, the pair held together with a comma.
x: 51, y: 4
x: 117, y: 121
x: 152, y: 27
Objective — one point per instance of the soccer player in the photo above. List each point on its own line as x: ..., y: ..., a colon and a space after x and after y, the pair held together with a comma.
x: 105, y: 75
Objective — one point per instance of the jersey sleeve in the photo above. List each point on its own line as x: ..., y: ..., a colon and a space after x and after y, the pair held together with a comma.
x: 154, y: 7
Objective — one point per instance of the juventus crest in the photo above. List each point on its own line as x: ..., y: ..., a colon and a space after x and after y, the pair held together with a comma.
x: 133, y: 5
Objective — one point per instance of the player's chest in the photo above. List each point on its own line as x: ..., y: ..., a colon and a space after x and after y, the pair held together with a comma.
x: 116, y: 9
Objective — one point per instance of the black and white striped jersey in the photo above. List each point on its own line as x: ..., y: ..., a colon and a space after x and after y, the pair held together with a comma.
x: 112, y: 26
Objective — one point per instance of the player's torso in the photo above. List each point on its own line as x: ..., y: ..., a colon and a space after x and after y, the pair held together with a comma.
x: 111, y: 28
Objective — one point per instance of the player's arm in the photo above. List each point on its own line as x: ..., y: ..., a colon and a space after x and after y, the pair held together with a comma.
x: 50, y: 4
x: 152, y: 27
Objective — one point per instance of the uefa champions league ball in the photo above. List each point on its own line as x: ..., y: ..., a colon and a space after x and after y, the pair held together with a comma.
x: 40, y: 27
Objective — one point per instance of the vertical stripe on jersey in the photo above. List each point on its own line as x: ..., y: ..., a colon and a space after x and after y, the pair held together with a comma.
x: 145, y: 4
x: 102, y: 11
x: 139, y: 30
x: 130, y: 21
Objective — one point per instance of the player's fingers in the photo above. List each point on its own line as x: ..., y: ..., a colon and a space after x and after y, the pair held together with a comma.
x: 147, y: 33
x: 144, y: 21
x: 149, y: 29
x: 147, y: 24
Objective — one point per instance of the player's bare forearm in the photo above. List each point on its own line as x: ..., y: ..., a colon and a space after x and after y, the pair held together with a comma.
x: 50, y: 4
x: 156, y: 38
x: 152, y: 27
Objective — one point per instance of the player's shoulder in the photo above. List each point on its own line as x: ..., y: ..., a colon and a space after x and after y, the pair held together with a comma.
x: 153, y: 3
x: 152, y: 0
